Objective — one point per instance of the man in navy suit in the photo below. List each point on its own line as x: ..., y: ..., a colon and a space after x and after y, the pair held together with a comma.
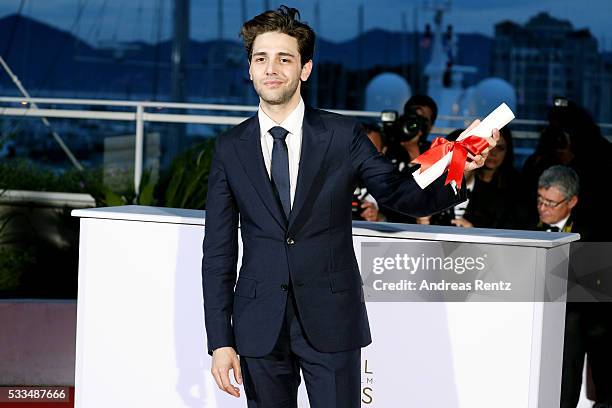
x: 287, y: 175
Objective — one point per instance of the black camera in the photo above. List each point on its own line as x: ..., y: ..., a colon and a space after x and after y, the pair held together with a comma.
x: 404, y: 128
x: 560, y: 102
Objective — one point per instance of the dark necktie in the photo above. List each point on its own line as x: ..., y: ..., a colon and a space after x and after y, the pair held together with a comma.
x: 280, y: 168
x: 552, y: 228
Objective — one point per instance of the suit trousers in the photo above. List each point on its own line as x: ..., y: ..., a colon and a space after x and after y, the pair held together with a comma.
x: 588, y: 330
x: 333, y: 380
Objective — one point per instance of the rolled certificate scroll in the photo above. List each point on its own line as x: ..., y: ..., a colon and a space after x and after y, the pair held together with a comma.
x: 497, y: 119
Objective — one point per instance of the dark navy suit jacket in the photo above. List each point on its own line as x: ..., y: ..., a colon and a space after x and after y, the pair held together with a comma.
x: 312, y: 250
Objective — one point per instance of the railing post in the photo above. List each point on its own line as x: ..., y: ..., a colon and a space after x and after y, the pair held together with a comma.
x: 138, y: 148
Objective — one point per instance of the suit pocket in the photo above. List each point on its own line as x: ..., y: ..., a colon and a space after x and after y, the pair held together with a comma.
x: 246, y: 287
x: 346, y: 279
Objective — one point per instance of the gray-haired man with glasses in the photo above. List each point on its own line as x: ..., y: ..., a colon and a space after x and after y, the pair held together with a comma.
x: 557, y: 196
x: 587, y: 325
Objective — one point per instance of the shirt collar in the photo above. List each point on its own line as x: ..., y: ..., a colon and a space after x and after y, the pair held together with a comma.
x: 292, y: 123
x: 561, y: 224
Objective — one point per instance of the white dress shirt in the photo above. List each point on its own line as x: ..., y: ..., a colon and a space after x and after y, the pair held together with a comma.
x: 293, y: 124
x: 561, y: 223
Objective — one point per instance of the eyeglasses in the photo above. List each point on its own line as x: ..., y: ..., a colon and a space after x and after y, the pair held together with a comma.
x: 549, y: 203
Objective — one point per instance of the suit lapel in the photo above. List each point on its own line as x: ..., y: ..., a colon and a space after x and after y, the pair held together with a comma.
x: 315, y: 142
x: 248, y: 148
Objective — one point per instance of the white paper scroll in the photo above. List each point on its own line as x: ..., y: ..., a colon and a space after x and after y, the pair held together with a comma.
x: 497, y: 119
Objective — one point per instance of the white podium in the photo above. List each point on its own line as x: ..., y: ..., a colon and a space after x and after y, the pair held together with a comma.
x: 140, y: 326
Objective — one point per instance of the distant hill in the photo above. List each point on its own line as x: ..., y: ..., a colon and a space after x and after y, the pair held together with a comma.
x: 52, y: 61
x: 49, y: 60
x: 380, y: 47
x: 39, y: 53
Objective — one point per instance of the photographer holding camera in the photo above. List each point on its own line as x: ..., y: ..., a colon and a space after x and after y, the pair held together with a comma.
x: 406, y: 136
x: 406, y: 139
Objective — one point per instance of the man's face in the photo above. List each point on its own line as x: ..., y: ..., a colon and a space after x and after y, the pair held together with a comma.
x: 553, y: 206
x: 275, y: 68
x: 426, y: 112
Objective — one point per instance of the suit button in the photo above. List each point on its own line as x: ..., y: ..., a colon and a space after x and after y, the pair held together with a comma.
x: 290, y: 241
x: 284, y: 287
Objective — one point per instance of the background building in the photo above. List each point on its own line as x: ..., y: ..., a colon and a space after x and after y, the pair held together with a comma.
x: 547, y: 57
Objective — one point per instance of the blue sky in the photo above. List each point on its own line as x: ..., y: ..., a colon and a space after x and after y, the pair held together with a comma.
x: 107, y: 20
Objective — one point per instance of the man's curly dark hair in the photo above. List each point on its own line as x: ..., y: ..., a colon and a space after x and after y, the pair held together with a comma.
x: 284, y: 20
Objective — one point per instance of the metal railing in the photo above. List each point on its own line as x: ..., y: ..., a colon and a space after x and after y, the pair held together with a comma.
x: 140, y: 113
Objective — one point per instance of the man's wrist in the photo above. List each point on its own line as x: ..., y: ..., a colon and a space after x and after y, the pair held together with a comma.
x: 224, y: 349
x: 212, y: 350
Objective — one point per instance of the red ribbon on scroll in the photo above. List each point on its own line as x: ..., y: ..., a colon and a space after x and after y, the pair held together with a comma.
x: 440, y: 147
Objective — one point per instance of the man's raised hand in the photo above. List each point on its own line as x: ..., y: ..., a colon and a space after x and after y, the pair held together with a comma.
x: 479, y: 160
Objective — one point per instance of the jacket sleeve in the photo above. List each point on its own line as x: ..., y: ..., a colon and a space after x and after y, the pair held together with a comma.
x: 220, y: 254
x: 394, y: 190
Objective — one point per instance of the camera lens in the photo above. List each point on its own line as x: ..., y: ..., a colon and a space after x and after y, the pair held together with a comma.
x: 411, y: 129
